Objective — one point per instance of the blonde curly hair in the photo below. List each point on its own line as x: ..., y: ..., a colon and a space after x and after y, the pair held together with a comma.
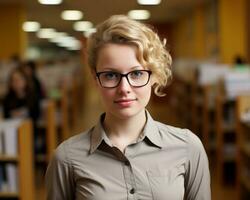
x: 152, y: 54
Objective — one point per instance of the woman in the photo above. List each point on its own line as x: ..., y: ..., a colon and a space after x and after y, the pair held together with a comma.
x: 29, y: 69
x: 128, y: 155
x: 20, y: 101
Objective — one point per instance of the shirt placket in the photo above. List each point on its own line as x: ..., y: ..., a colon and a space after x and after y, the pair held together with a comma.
x: 128, y: 175
x: 130, y: 180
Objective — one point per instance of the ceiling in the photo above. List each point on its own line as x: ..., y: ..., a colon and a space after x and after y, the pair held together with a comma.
x: 98, y: 10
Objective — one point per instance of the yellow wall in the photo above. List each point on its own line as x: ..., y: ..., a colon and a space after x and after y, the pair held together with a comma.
x: 179, y: 37
x: 224, y: 42
x: 199, y: 33
x: 12, y: 39
x: 189, y: 35
x: 232, y: 29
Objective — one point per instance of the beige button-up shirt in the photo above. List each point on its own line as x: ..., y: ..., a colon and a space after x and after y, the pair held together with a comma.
x: 166, y: 163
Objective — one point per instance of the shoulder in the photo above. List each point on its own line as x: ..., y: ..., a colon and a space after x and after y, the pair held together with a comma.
x: 171, y: 132
x: 77, y: 145
x: 180, y: 136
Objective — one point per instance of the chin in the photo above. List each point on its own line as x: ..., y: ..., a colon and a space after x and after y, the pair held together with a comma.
x: 126, y: 113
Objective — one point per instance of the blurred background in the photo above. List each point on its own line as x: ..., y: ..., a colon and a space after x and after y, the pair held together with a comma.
x: 47, y: 93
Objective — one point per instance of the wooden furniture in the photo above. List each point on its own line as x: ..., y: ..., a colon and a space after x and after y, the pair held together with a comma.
x: 51, y: 132
x: 203, y: 115
x: 225, y: 134
x: 64, y: 112
x: 243, y: 147
x: 182, y: 103
x: 198, y: 111
x: 48, y: 126
x: 24, y: 163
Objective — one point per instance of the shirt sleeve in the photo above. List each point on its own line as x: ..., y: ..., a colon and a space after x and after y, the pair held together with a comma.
x: 197, y: 177
x: 59, y: 180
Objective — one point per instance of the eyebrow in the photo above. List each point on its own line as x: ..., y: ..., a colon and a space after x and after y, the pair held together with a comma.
x: 116, y: 70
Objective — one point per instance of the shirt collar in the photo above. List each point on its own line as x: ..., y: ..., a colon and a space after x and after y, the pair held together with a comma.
x: 150, y: 131
x: 98, y: 135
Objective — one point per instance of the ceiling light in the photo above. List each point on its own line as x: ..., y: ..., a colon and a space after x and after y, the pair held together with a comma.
x: 66, y: 41
x: 72, y: 15
x: 82, y: 26
x: 46, y: 33
x: 76, y: 45
x: 139, y: 14
x: 50, y: 2
x: 58, y: 37
x: 89, y: 32
x: 149, y: 2
x: 31, y: 26
x: 77, y: 48
x: 70, y: 43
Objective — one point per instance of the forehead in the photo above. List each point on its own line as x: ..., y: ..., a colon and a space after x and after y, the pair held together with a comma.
x: 117, y: 57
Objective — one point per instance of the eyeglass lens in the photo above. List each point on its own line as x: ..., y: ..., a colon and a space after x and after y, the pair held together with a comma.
x: 137, y: 78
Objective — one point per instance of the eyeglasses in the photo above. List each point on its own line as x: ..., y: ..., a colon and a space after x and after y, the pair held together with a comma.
x: 136, y: 78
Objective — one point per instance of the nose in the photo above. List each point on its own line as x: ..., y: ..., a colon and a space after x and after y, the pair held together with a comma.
x: 124, y: 86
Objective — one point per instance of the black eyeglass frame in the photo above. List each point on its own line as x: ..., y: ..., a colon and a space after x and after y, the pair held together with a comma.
x: 124, y: 75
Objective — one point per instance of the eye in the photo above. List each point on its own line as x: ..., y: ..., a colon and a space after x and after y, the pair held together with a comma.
x: 136, y: 74
x: 110, y: 75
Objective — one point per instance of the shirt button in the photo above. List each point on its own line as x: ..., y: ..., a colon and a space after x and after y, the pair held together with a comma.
x: 132, y: 191
x: 127, y: 163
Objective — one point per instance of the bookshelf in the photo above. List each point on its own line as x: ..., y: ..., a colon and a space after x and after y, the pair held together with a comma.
x: 201, y: 111
x: 48, y: 125
x: 198, y: 104
x: 182, y: 102
x: 51, y: 133
x: 243, y: 147
x: 205, y: 110
x: 22, y: 162
x: 64, y: 112
x: 235, y: 83
x: 207, y: 86
x: 225, y: 133
x: 54, y: 124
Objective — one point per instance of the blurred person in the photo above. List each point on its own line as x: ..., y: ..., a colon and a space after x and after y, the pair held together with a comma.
x: 20, y: 101
x: 29, y: 69
x: 14, y: 61
x: 127, y: 154
x: 238, y: 60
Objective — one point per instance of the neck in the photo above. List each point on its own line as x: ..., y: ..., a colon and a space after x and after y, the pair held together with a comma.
x: 124, y: 130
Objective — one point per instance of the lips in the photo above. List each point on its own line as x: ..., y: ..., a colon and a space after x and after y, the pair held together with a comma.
x: 124, y: 102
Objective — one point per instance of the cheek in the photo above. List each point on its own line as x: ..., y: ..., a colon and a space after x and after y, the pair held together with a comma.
x: 106, y: 95
x: 145, y: 94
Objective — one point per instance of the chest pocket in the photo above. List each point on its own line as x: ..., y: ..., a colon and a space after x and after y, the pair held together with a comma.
x: 167, y: 184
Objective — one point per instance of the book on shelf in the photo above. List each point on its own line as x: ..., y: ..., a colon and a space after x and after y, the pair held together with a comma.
x: 9, y: 178
x: 245, y: 117
x: 9, y: 137
x: 12, y: 177
x: 237, y: 83
x: 210, y: 73
x: 9, y: 148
